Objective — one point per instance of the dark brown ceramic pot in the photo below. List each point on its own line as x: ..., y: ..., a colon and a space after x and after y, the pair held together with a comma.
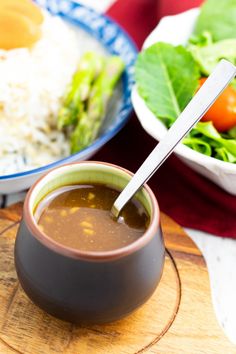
x: 91, y: 287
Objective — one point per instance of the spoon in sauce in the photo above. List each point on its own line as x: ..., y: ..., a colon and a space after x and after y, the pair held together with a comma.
x: 193, y: 112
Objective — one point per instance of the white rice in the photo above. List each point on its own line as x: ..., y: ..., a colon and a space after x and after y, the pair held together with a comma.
x: 32, y: 83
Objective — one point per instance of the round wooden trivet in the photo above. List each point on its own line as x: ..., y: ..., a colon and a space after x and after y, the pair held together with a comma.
x: 177, y: 319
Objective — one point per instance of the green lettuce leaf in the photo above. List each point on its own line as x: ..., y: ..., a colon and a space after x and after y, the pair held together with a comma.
x: 203, y: 39
x: 207, y: 129
x: 232, y: 133
x: 199, y: 145
x: 219, y: 18
x: 224, y: 155
x: 166, y: 78
x: 229, y: 145
x: 205, y: 138
x: 208, y: 55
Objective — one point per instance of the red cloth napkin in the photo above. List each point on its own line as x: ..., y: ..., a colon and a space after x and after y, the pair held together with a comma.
x: 187, y: 197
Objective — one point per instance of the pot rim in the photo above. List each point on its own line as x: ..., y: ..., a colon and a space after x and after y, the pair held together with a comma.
x: 48, y: 242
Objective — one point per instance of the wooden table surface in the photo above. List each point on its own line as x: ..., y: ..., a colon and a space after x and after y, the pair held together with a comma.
x: 178, y: 319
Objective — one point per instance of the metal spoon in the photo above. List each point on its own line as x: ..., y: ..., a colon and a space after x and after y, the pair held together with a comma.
x: 197, y: 107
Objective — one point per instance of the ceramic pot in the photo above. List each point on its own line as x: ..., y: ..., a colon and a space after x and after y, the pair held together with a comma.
x: 80, y: 286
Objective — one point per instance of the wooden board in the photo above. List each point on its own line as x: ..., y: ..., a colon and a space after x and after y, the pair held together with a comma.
x: 178, y: 319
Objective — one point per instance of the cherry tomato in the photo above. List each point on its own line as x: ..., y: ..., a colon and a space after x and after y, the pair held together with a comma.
x: 223, y: 112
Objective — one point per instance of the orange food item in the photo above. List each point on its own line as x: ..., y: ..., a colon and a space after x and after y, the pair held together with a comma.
x: 17, y: 31
x: 20, y: 22
x: 10, y: 2
x: 23, y: 7
x: 223, y: 112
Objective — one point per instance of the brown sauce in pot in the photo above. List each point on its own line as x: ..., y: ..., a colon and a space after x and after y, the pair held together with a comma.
x: 79, y: 217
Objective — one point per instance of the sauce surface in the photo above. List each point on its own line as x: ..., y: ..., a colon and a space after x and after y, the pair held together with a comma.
x: 79, y: 217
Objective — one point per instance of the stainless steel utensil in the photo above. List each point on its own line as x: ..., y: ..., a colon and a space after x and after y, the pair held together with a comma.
x: 193, y: 112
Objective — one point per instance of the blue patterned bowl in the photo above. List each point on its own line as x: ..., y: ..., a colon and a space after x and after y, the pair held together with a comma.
x: 100, y: 33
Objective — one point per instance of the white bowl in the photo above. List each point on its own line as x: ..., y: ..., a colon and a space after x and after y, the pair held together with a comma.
x: 176, y: 30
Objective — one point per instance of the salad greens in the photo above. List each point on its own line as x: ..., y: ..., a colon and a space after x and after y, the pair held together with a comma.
x: 232, y: 133
x: 218, y: 18
x: 172, y: 67
x: 87, y: 96
x: 209, y: 54
x: 167, y: 77
x: 205, y: 138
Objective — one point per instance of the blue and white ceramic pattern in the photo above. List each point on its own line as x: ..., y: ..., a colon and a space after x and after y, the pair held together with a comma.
x: 114, y: 40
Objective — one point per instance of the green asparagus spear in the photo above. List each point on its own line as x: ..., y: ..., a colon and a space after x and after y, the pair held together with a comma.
x: 91, y: 119
x: 77, y: 92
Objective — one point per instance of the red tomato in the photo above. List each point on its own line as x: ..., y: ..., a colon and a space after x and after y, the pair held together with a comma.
x: 223, y: 112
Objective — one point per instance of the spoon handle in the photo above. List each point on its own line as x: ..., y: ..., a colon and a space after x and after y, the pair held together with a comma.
x: 197, y: 107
